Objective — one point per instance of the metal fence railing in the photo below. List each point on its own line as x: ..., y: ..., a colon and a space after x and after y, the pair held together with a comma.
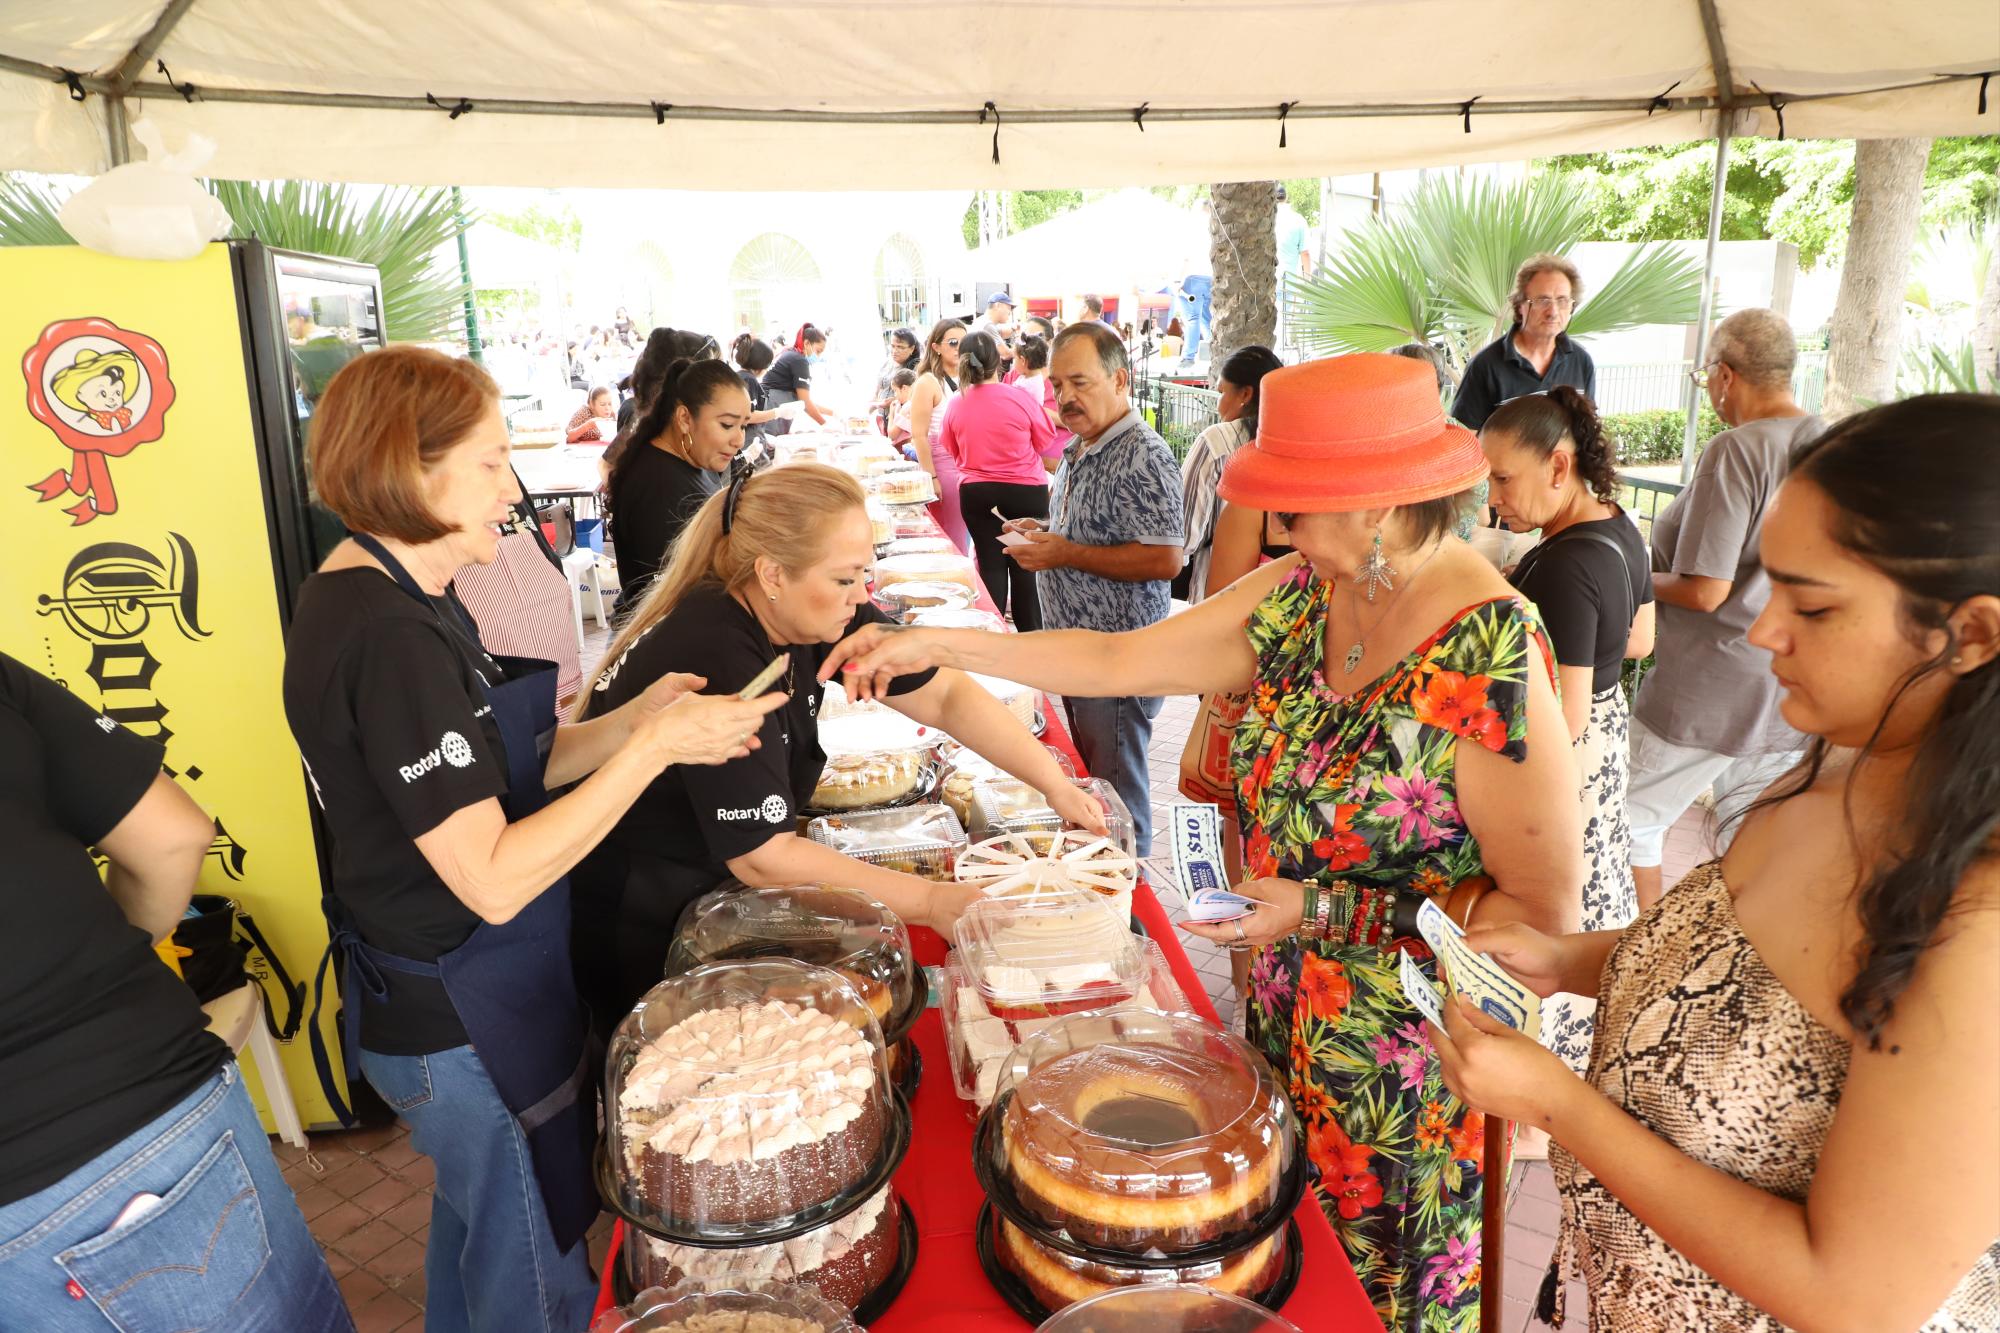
x: 1179, y: 412
x: 1651, y: 386
x: 1643, y: 498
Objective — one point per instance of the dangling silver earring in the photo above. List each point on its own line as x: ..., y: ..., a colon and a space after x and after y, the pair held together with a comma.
x: 1375, y: 571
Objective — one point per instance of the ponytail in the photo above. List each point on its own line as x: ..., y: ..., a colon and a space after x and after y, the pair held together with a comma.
x: 807, y: 334
x: 1538, y: 422
x: 786, y: 514
x: 978, y: 359
x: 1246, y: 369
x: 685, y: 383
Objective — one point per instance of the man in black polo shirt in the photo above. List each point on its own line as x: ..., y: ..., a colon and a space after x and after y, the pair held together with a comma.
x: 1535, y: 354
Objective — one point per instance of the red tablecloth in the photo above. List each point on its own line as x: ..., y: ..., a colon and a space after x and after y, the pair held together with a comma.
x: 947, y: 1292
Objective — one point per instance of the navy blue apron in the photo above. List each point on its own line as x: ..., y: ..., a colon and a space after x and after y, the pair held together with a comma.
x: 511, y: 984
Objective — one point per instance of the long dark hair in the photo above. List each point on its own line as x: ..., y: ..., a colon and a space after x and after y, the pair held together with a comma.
x: 751, y: 352
x: 932, y: 363
x: 1915, y: 488
x: 664, y: 346
x: 1538, y: 422
x: 1246, y: 369
x: 978, y: 359
x: 689, y: 384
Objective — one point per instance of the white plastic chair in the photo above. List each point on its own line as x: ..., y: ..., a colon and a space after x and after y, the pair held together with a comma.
x: 238, y: 1018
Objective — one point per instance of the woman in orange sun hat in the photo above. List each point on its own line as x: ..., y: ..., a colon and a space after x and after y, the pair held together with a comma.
x: 1403, y: 743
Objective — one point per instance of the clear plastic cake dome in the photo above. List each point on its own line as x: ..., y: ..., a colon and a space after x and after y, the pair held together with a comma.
x: 748, y: 1101
x: 844, y: 1261
x: 726, y: 1307
x: 1056, y: 1279
x: 842, y: 929
x: 1166, y: 1309
x: 1128, y: 1132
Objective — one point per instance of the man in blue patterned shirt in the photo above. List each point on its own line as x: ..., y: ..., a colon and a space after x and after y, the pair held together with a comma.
x: 1112, y: 542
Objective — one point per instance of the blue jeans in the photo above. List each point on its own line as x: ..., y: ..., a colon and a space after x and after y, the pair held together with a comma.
x: 490, y: 1265
x: 1200, y: 317
x: 225, y: 1249
x: 1111, y: 735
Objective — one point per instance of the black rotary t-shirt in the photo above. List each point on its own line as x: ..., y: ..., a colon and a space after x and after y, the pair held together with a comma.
x: 655, y: 495
x: 1589, y: 581
x: 686, y: 826
x: 791, y: 372
x: 383, y: 696
x: 97, y: 1037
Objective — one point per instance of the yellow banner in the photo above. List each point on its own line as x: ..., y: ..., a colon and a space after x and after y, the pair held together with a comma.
x: 139, y: 572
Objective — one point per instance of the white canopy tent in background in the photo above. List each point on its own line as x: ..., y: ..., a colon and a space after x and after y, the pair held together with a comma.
x: 856, y: 94
x: 1069, y: 253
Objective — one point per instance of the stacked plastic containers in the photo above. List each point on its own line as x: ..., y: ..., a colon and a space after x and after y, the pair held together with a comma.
x: 1128, y: 1148
x: 843, y: 929
x: 1024, y: 963
x: 752, y: 1127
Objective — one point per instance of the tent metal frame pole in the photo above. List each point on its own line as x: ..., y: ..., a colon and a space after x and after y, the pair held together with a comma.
x: 149, y: 45
x: 1725, y: 94
x: 117, y: 132
x: 1694, y: 393
x: 947, y: 115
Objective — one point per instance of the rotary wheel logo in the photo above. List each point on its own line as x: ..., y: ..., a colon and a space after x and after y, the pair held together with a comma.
x: 774, y: 809
x: 457, y: 752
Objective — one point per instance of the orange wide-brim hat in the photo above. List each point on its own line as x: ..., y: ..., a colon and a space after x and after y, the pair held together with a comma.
x: 1351, y: 432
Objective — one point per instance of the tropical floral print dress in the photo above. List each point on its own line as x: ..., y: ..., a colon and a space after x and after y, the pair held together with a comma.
x: 1363, y: 787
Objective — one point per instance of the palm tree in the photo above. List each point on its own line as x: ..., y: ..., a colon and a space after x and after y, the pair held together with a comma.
x: 402, y: 232
x: 1439, y: 273
x: 1243, y: 254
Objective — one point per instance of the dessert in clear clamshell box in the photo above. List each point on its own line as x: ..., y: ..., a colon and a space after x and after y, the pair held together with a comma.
x: 915, y: 839
x: 746, y: 1100
x: 1035, y: 863
x: 1142, y: 1134
x: 863, y: 781
x: 980, y: 1040
x: 726, y: 1306
x: 933, y: 567
x: 1003, y: 804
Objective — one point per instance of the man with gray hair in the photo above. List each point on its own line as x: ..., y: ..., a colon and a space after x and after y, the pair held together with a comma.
x: 1535, y: 354
x: 1706, y: 718
x: 1112, y: 542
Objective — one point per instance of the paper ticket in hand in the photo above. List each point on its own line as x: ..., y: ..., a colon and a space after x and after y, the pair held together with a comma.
x: 1013, y: 539
x: 1198, y: 865
x: 1482, y: 980
x: 1421, y: 990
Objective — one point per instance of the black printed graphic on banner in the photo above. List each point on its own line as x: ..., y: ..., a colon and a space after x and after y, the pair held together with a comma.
x: 111, y: 590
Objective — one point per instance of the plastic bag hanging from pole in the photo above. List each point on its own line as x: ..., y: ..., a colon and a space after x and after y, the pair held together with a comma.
x: 154, y: 209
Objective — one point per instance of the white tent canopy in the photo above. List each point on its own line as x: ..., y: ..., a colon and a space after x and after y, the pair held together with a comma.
x: 1128, y: 242
x: 848, y: 94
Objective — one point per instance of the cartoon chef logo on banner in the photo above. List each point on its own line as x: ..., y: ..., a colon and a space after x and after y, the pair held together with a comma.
x: 102, y: 391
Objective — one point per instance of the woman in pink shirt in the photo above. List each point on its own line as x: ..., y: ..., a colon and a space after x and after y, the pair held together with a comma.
x: 998, y: 436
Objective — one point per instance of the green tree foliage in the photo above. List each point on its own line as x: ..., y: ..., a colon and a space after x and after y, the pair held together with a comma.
x: 1797, y: 190
x: 1440, y: 270
x: 402, y: 232
x: 554, y: 224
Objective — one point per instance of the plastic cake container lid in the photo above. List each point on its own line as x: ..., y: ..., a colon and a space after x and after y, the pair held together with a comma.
x: 839, y: 928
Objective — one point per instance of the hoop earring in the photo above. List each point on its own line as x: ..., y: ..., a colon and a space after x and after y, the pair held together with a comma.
x: 1375, y: 571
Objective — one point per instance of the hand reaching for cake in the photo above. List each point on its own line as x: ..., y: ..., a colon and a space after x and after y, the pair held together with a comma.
x: 1078, y: 808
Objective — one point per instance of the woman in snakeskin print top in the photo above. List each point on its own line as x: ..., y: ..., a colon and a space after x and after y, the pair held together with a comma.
x: 1790, y: 1115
